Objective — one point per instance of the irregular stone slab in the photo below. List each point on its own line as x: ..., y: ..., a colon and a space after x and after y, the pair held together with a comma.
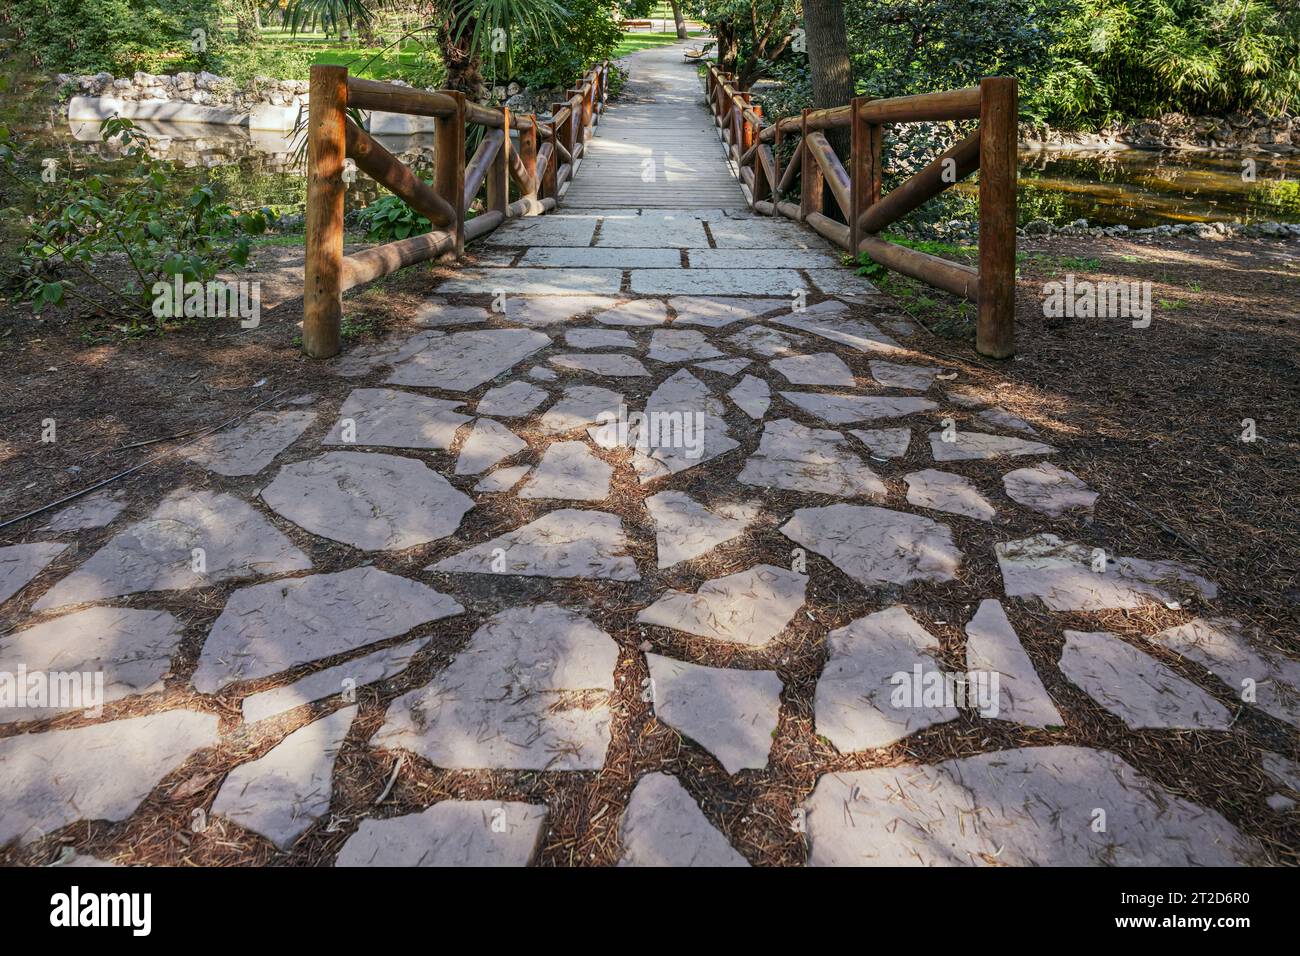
x: 854, y: 333
x: 840, y: 282
x: 716, y: 311
x: 680, y: 345
x: 634, y: 313
x: 542, y: 374
x: 686, y: 529
x: 96, y: 772
x: 131, y: 648
x: 523, y: 281
x: 365, y: 358
x: 865, y: 696
x: 503, y: 479
x: 371, y: 501
x: 271, y: 627
x: 715, y: 282
x: 159, y: 553
x: 1136, y: 688
x: 752, y: 396
x: 1029, y: 807
x: 967, y: 445
x: 765, y: 341
x: 92, y: 511
x: 1001, y: 418
x: 438, y: 313
x: 601, y: 363
x: 751, y: 607
x: 901, y: 327
x: 891, y: 375
x: 487, y: 443
x: 598, y: 339
x: 884, y: 442
x: 465, y: 360
x: 450, y: 833
x: 281, y: 794
x: 1283, y: 771
x: 511, y: 401
x: 809, y: 459
x: 969, y: 396
x: 562, y: 544
x: 821, y: 368
x: 541, y: 311
x: 730, y: 713
x: 388, y: 418
x: 570, y: 472
x: 844, y: 409
x: 875, y: 545
x: 724, y: 366
x: 944, y: 491
x: 19, y: 563
x: 1061, y: 575
x: 351, y: 675
x: 581, y: 405
x: 992, y: 645
x: 683, y: 427
x: 510, y: 698
x: 1218, y: 645
x: 1049, y: 489
x: 774, y: 258
x: 663, y: 826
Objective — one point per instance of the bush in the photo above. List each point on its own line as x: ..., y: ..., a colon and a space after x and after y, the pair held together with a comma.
x: 586, y: 35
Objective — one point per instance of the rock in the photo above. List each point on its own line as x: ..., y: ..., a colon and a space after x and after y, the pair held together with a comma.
x: 731, y: 713
x: 663, y: 826
x: 20, y: 563
x: 682, y: 428
x: 751, y: 607
x: 581, y: 405
x: 1038, y: 227
x: 875, y: 545
x: 598, y: 339
x: 450, y: 833
x: 855, y: 333
x: 562, y: 544
x: 944, y: 491
x: 1035, y: 806
x: 717, y: 311
x: 1050, y: 490
x: 686, y: 529
x: 371, y: 501
x: 967, y: 445
x: 503, y: 479
x: 92, y: 511
x: 992, y: 646
x: 765, y: 341
x: 724, y: 366
x: 819, y: 460
x: 511, y: 698
x: 487, y: 443
x: 680, y: 345
x: 635, y: 312
x: 821, y: 368
x: 464, y: 360
x: 845, y: 409
x: 752, y: 396
x: 385, y: 417
x: 281, y: 794
x: 251, y: 445
x: 570, y: 472
x: 611, y: 364
x: 543, y: 310
x: 892, y: 375
x: 884, y: 442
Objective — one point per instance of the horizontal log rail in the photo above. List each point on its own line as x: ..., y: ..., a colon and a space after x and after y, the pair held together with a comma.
x: 544, y: 159
x: 754, y: 144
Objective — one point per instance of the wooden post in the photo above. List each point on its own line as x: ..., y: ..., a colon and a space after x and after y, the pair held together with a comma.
x: 528, y: 153
x: 995, y: 331
x: 762, y: 188
x: 813, y: 182
x: 549, y: 188
x: 498, y: 177
x: 449, y: 165
x: 864, y: 170
x: 322, y: 295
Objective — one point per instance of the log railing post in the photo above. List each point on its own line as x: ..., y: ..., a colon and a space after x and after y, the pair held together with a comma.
x: 322, y: 300
x: 864, y: 171
x: 762, y: 188
x: 528, y: 153
x: 995, y: 329
x: 812, y: 181
x: 498, y: 177
x: 449, y: 166
x: 549, y: 187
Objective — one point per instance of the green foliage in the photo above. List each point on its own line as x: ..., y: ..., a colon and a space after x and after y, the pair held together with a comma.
x: 586, y: 34
x: 389, y: 218
x: 107, y: 244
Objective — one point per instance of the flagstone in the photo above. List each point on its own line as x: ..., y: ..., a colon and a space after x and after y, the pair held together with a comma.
x: 569, y: 471
x: 388, y: 418
x: 362, y: 359
x: 884, y: 442
x: 993, y: 646
x: 634, y: 312
x: 438, y: 313
x: 731, y: 713
x: 190, y: 529
x: 1061, y: 574
x: 512, y: 698
x: 1001, y: 418
x: 855, y: 333
x: 20, y: 563
x: 766, y: 341
x: 541, y: 311
x: 452, y: 833
x: 820, y: 368
x: 686, y: 529
x: 601, y: 363
x: 513, y: 400
x: 1135, y: 687
x: 91, y: 511
x: 95, y: 772
x: 967, y: 445
x: 281, y: 794
x: 278, y: 625
x: 724, y: 366
x: 891, y: 375
x: 371, y: 501
x: 464, y: 360
x: 663, y: 826
x: 580, y: 405
x: 567, y: 543
x: 1032, y: 806
x: 819, y: 460
x: 750, y: 607
x: 944, y: 491
x: 867, y: 694
x: 1048, y: 489
x: 680, y: 345
x: 752, y: 396
x: 845, y: 409
x: 542, y: 374
x: 718, y: 311
x: 487, y: 443
x: 598, y: 339
x: 503, y: 479
x: 875, y: 545
x: 683, y: 428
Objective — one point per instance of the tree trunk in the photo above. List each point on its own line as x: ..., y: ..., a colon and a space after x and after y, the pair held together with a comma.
x: 678, y: 18
x: 728, y: 47
x: 828, y: 62
x: 247, y: 22
x: 464, y: 69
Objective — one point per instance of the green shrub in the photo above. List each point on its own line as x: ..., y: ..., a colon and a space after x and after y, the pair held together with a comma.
x: 586, y: 35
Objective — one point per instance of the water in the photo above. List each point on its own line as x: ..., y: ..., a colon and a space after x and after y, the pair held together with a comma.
x: 1134, y: 187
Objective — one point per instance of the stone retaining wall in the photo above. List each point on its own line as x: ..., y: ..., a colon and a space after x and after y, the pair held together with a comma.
x: 1255, y: 131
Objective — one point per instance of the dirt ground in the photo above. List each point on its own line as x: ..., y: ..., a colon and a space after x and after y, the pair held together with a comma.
x: 1150, y: 418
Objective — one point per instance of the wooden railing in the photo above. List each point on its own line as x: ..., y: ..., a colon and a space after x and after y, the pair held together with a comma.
x: 544, y: 160
x: 753, y: 144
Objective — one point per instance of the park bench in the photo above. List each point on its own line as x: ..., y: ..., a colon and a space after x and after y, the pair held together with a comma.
x: 700, y: 53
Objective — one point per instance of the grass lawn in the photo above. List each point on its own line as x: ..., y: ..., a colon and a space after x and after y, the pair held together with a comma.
x: 375, y: 63
x: 643, y: 40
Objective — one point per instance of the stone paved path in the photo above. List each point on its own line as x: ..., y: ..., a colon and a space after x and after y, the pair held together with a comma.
x: 649, y: 567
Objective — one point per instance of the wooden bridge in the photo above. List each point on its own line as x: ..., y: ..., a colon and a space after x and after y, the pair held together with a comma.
x: 659, y: 150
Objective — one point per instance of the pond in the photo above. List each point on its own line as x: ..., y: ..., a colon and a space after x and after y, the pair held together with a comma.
x: 1132, y: 187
